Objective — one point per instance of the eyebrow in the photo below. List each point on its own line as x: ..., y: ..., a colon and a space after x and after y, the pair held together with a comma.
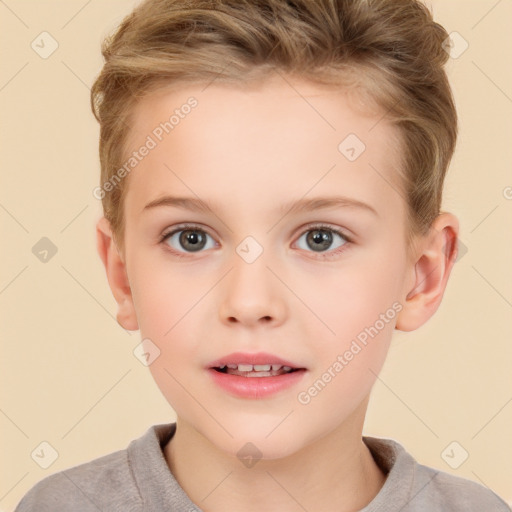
x: 302, y: 205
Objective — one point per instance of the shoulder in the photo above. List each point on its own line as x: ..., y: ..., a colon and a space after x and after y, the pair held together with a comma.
x: 450, y: 492
x: 414, y: 487
x: 105, y: 483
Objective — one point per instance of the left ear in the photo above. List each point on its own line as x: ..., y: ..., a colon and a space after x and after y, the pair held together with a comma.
x: 434, y: 262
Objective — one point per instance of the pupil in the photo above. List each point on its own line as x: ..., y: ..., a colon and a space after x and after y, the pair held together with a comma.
x: 194, y: 238
x: 319, y: 236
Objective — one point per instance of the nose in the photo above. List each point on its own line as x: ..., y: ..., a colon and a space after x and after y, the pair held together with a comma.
x: 252, y: 295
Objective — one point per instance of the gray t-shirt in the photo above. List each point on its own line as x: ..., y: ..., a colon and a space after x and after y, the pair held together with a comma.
x: 138, y: 479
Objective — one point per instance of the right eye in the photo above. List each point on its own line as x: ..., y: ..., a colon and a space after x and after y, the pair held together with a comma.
x: 191, y: 238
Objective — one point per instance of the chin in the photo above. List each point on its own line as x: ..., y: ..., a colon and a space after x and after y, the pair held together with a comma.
x: 261, y: 439
x: 259, y: 449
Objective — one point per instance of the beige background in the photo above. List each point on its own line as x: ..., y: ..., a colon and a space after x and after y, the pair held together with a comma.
x: 69, y: 376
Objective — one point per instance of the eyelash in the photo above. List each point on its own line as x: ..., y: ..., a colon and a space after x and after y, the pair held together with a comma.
x: 318, y: 227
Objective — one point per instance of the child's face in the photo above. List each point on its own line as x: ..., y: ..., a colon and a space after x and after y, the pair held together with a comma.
x: 250, y: 155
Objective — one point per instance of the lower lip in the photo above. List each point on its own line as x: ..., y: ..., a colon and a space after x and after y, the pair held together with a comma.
x: 255, y: 387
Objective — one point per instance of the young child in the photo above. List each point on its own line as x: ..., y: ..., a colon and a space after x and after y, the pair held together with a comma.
x: 272, y: 175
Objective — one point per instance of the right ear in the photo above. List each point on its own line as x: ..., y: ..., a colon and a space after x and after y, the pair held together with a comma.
x: 116, y: 274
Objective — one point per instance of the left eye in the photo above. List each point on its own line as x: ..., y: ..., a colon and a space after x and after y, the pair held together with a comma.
x: 320, y: 239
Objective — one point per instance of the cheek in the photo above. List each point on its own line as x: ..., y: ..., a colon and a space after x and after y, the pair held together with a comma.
x: 170, y: 300
x: 169, y: 309
x: 355, y: 296
x: 165, y: 293
x: 360, y: 307
x: 346, y: 368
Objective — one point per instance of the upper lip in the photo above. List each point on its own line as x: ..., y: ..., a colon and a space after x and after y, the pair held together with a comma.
x: 256, y: 358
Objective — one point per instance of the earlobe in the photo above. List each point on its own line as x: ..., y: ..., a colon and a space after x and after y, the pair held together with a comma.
x: 117, y: 276
x: 431, y: 270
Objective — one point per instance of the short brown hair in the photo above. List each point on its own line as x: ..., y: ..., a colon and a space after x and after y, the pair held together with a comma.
x: 392, y: 49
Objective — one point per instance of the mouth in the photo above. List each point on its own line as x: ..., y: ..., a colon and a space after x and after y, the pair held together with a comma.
x: 256, y: 376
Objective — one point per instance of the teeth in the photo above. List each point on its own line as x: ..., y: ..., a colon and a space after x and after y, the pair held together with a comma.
x: 256, y: 367
x: 261, y: 367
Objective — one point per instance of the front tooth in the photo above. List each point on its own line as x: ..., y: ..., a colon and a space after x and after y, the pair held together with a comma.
x: 276, y: 367
x: 245, y: 367
x: 262, y: 367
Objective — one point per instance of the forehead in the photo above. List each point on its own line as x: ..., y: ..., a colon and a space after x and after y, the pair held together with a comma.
x: 276, y: 139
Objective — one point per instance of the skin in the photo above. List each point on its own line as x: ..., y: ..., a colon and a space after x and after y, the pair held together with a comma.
x: 249, y: 151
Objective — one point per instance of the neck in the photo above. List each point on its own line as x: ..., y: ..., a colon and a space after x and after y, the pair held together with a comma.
x: 336, y: 472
